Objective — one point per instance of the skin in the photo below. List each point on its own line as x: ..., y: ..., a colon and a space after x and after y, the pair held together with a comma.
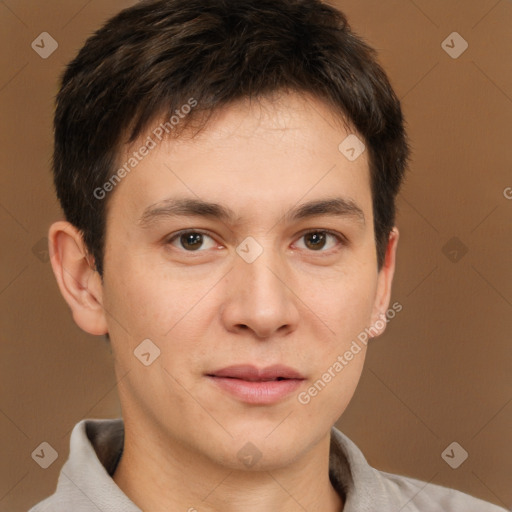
x: 297, y: 304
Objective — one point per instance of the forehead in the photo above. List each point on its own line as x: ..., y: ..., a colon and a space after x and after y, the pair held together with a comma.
x: 274, y: 151
x: 294, y: 115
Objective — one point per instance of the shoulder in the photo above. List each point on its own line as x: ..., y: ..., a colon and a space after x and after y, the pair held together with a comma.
x: 85, y: 482
x: 428, y: 497
x: 367, y: 488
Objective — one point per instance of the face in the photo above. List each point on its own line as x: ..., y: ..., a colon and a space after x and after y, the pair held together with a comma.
x: 257, y: 285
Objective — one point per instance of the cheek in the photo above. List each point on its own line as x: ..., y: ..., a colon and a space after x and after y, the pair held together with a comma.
x: 135, y: 299
x: 147, y: 301
x: 333, y: 387
x: 342, y: 311
x: 344, y: 304
x: 143, y: 299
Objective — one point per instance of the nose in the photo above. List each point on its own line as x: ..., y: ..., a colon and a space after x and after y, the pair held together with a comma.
x: 260, y: 297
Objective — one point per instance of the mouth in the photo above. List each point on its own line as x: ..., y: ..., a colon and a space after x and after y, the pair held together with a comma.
x: 251, y: 373
x: 253, y: 385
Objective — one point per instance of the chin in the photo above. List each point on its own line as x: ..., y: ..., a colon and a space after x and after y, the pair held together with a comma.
x: 255, y: 457
x: 262, y: 448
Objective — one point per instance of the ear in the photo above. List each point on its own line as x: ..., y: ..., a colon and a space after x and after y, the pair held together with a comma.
x: 79, y: 283
x: 384, y: 282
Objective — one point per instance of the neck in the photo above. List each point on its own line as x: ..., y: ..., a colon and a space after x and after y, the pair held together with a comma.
x: 165, y: 476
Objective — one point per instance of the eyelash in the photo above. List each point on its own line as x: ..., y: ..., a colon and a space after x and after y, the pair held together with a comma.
x: 338, y: 236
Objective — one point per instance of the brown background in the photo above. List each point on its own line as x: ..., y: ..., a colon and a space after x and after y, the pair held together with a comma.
x: 442, y: 371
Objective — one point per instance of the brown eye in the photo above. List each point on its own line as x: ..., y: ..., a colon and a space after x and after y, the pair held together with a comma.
x: 191, y: 241
x: 317, y: 240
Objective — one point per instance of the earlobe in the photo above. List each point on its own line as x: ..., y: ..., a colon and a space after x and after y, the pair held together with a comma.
x: 78, y: 282
x: 385, y: 280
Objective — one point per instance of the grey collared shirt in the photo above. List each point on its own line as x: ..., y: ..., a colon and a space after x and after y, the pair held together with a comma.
x: 85, y: 483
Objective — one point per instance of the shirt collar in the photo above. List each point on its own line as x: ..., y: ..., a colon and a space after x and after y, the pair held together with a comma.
x: 96, y: 446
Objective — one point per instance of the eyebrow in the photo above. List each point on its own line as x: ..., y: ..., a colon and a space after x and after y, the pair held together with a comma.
x: 191, y: 207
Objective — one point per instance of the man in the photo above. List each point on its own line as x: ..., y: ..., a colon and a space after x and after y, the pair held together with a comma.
x: 228, y: 172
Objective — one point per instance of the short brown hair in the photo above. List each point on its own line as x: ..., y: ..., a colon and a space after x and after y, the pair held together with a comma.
x: 151, y: 58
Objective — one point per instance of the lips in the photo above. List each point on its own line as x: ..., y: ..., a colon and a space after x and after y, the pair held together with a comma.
x: 257, y: 386
x: 252, y: 374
